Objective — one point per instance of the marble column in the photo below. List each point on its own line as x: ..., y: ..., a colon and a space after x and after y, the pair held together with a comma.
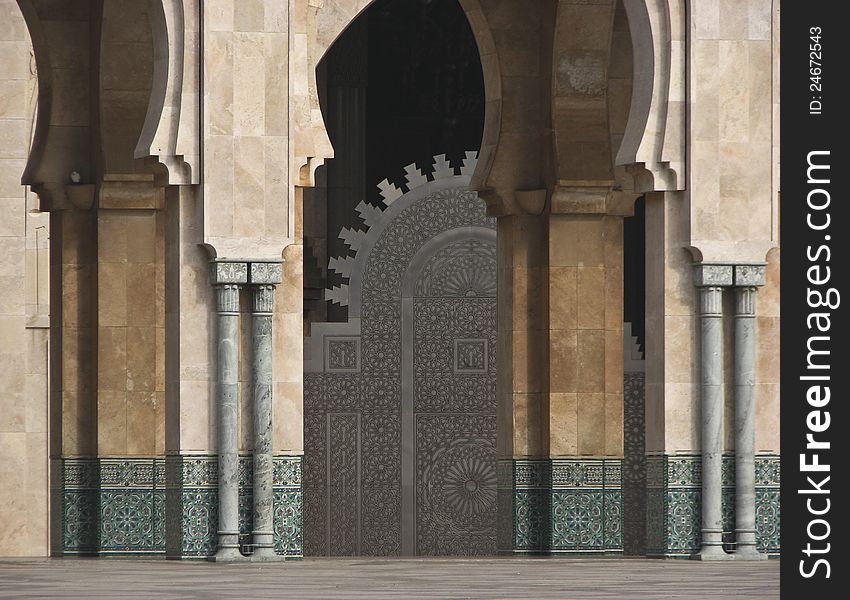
x: 264, y: 277
x: 711, y: 279
x: 747, y: 277
x: 228, y: 278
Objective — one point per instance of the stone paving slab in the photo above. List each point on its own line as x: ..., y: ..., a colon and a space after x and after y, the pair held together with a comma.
x: 408, y: 579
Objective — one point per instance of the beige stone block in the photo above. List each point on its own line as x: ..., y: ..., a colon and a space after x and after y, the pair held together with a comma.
x: 12, y: 329
x: 504, y: 360
x: 111, y: 423
x: 588, y: 24
x: 14, y: 256
x: 276, y: 192
x: 248, y: 15
x: 12, y: 379
x: 614, y: 361
x: 733, y: 19
x: 681, y: 349
x: 680, y: 293
x: 576, y: 241
x: 288, y: 333
x: 591, y: 424
x: 563, y: 424
x: 196, y: 416
x: 564, y: 371
x: 78, y: 234
x: 276, y: 99
x: 10, y: 187
x: 141, y: 423
x: 591, y: 360
x: 504, y: 295
x: 159, y: 303
x: 733, y: 122
x: 13, y: 297
x: 288, y: 417
x: 218, y: 68
x: 613, y: 299
x: 37, y: 351
x: 112, y: 236
x: 767, y: 349
x: 682, y: 417
x: 563, y: 297
x: 70, y: 97
x: 13, y: 138
x: 160, y: 359
x: 140, y: 227
x: 276, y: 17
x: 613, y: 230
x: 13, y: 222
x: 528, y: 437
x: 767, y: 417
x: 112, y: 359
x: 13, y: 472
x: 141, y: 359
x: 289, y: 296
x: 78, y: 423
x: 141, y: 295
x: 159, y: 410
x: 14, y: 60
x: 13, y: 28
x: 529, y: 361
x: 78, y: 353
x: 249, y: 85
x: 529, y: 298
x: 768, y: 295
x: 112, y: 294
x: 614, y: 424
x: 520, y: 108
x: 35, y: 401
x: 619, y: 103
x: 581, y: 119
x: 518, y: 54
x: 592, y: 298
x: 248, y: 194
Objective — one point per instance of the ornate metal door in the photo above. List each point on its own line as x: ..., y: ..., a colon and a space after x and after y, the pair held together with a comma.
x: 453, y: 418
x: 399, y: 402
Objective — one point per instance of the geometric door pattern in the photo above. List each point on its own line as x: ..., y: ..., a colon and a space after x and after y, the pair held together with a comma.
x: 399, y: 401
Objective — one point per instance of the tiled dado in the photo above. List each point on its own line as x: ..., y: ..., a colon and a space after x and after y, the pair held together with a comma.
x: 560, y: 506
x: 166, y: 505
x: 673, y: 501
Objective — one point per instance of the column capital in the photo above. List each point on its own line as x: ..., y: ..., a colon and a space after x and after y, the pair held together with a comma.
x: 750, y: 275
x: 711, y: 301
x: 227, y: 298
x: 266, y: 272
x: 745, y: 301
x: 262, y: 299
x: 224, y: 271
x: 713, y: 275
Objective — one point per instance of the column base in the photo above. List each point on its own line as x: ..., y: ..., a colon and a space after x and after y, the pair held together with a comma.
x: 749, y: 553
x: 712, y: 553
x: 266, y: 555
x: 228, y: 555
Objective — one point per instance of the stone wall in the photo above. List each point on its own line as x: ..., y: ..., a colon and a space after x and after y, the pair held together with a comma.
x: 24, y: 269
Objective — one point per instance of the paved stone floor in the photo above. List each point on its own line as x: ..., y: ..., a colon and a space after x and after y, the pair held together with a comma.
x: 567, y: 578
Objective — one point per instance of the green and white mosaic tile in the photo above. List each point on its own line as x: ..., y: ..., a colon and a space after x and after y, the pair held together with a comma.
x: 560, y: 506
x: 674, y: 504
x: 166, y: 505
